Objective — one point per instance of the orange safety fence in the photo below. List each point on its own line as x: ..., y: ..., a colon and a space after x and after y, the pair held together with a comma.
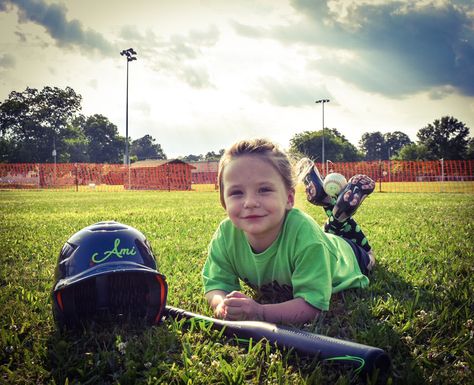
x: 411, y: 176
x: 391, y: 176
x: 50, y: 175
x: 169, y: 176
x: 407, y: 171
x: 205, y: 172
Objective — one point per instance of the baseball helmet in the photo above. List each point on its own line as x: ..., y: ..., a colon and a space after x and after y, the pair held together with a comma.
x: 107, y: 271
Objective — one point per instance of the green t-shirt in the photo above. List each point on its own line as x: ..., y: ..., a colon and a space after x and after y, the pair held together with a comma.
x: 303, y: 262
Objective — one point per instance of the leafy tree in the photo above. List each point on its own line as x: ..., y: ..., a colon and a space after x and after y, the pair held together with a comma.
x: 336, y: 147
x: 413, y: 151
x: 348, y: 152
x: 192, y: 158
x: 33, y: 122
x: 104, y: 145
x: 394, y: 142
x: 373, y: 145
x: 5, y: 149
x: 212, y: 156
x: 76, y: 145
x: 470, y: 149
x: 145, y: 148
x: 446, y: 138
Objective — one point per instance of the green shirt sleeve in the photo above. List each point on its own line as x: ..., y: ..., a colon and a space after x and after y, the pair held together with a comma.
x: 218, y: 272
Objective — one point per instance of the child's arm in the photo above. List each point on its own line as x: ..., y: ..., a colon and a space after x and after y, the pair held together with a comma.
x: 237, y: 306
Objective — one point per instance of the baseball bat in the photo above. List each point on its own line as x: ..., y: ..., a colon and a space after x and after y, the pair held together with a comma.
x: 364, y: 358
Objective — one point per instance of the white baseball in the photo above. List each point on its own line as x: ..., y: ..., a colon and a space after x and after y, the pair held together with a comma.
x: 334, y: 183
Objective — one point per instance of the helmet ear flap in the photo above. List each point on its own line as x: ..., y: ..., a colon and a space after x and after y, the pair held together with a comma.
x: 64, y: 308
x: 157, y: 299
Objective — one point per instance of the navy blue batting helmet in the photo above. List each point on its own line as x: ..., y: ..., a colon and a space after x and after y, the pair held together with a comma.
x: 108, y: 270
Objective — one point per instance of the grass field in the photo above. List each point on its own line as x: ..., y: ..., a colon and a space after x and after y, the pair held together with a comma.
x: 466, y: 187
x: 419, y: 306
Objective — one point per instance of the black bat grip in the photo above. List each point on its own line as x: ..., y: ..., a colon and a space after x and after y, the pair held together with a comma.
x: 365, y: 358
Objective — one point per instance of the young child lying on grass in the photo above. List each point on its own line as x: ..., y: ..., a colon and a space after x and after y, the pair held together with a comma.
x: 280, y: 252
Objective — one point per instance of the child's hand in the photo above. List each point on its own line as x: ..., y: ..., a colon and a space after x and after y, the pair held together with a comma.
x: 239, y: 307
x: 216, y: 299
x: 220, y: 311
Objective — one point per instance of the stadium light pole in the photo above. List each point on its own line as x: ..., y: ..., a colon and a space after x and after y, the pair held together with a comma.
x: 322, y: 101
x: 130, y: 55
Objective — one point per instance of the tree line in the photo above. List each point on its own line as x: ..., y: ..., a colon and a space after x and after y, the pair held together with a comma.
x: 39, y: 126
x: 445, y: 138
x: 46, y: 125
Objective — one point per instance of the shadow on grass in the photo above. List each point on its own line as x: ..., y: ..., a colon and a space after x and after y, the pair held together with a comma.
x: 124, y: 354
x: 383, y: 316
x: 133, y: 354
x: 380, y: 316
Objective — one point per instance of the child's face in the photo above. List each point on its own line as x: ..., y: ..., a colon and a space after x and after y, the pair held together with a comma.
x: 256, y: 199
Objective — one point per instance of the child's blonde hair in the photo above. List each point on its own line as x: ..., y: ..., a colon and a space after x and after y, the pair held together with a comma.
x: 264, y: 149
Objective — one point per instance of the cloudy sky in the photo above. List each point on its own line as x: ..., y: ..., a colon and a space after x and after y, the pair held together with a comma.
x: 210, y: 72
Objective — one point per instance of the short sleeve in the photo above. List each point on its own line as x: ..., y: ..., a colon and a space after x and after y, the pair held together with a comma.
x: 218, y: 272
